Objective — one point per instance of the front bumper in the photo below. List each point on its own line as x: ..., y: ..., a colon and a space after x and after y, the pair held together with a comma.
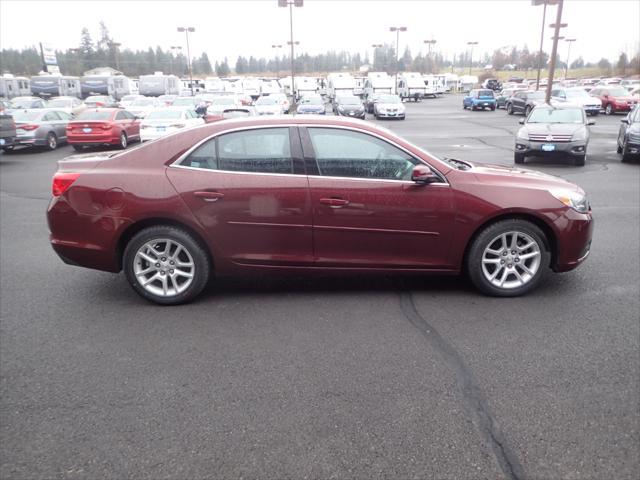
x: 633, y: 148
x: 387, y: 114
x: 544, y: 149
x: 574, y: 239
x: 352, y: 114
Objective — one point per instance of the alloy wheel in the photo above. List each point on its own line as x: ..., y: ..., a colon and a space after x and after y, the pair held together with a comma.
x: 164, y: 267
x: 511, y: 260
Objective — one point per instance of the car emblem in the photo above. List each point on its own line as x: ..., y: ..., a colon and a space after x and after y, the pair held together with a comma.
x: 549, y: 137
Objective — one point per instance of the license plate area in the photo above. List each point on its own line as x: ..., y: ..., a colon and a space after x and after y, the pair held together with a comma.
x: 86, y: 130
x: 548, y: 147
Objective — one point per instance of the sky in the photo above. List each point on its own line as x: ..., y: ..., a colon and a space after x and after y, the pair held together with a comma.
x: 602, y: 28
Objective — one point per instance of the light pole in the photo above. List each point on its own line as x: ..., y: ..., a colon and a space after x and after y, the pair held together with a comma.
x: 291, y: 4
x: 115, y: 53
x: 430, y: 43
x: 554, y: 50
x: 566, y: 67
x: 277, y: 58
x: 471, y: 55
x: 373, y: 59
x: 544, y: 16
x: 186, y: 31
x: 397, y: 30
x: 173, y: 49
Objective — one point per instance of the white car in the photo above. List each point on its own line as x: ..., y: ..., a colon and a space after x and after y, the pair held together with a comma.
x: 578, y: 97
x: 389, y: 106
x: 164, y: 121
x: 269, y: 105
x: 217, y: 105
x: 141, y: 107
x: 71, y: 105
x: 127, y: 100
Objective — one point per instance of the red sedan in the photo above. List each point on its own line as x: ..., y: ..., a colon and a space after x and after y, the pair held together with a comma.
x: 310, y: 194
x: 104, y: 126
x: 614, y: 98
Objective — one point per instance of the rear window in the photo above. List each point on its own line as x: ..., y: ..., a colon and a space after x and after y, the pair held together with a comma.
x: 485, y: 93
x: 164, y: 115
x: 25, y: 116
x: 95, y: 115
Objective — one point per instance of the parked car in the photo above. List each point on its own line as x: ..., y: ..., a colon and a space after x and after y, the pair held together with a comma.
x: 524, y: 101
x: 167, y: 100
x: 311, y: 104
x: 104, y: 126
x: 127, y: 100
x: 269, y: 105
x: 614, y: 99
x: 71, y: 105
x: 100, y: 101
x: 168, y: 120
x: 141, y: 107
x: 370, y: 100
x: 553, y: 131
x: 239, y: 111
x: 479, y: 98
x: 577, y: 96
x: 189, y: 102
x: 218, y: 104
x: 348, y: 106
x: 389, y: 106
x: 284, y: 101
x: 629, y: 136
x: 7, y: 132
x: 492, y: 84
x: 232, y: 198
x: 26, y: 103
x: 40, y: 128
x: 503, y: 96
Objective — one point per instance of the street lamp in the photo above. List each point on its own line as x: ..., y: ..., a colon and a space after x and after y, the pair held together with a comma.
x: 186, y: 31
x: 115, y: 47
x: 291, y: 4
x: 544, y: 16
x: 430, y: 43
x: 566, y: 67
x: 554, y: 50
x: 397, y: 30
x: 471, y: 55
x: 277, y: 58
x: 373, y: 59
x: 173, y: 49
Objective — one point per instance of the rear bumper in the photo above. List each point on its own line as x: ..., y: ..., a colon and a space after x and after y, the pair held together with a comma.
x: 7, y: 141
x: 93, y: 139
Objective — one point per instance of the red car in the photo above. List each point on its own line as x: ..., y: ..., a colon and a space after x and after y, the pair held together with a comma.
x: 614, y: 98
x: 104, y: 126
x: 309, y: 194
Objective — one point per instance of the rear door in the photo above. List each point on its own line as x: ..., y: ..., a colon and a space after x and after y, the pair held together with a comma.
x: 249, y: 191
x: 51, y: 121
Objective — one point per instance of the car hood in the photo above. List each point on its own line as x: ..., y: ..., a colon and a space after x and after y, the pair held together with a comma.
x: 389, y: 105
x: 311, y: 108
x: 268, y: 108
x: 554, y: 128
x: 522, y: 176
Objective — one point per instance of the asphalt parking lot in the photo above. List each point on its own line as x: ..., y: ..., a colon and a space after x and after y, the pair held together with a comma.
x: 327, y: 377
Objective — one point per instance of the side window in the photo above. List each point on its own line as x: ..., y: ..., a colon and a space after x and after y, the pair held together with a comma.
x: 203, y: 157
x: 64, y: 116
x: 51, y: 117
x: 120, y: 116
x: 264, y: 150
x: 344, y: 153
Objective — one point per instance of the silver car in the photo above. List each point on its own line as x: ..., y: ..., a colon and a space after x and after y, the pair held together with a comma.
x: 41, y: 128
x: 554, y: 131
x: 72, y: 105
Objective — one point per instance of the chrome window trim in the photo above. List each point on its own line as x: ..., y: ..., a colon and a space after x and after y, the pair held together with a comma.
x: 176, y: 163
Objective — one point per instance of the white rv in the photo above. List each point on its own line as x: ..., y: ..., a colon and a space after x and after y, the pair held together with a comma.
x: 411, y: 86
x: 134, y: 86
x: 232, y: 84
x: 377, y: 82
x: 185, y: 87
x: 340, y: 83
x: 441, y: 83
x: 213, y: 85
x: 115, y: 85
x: 11, y: 86
x: 359, y: 88
x: 252, y: 86
x: 47, y: 86
x: 467, y: 82
x: 270, y: 85
x: 159, y: 84
x: 306, y: 86
x: 430, y: 85
x: 450, y: 82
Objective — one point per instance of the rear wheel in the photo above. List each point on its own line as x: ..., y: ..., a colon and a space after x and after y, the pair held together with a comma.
x: 518, y: 157
x: 508, y: 258
x: 608, y: 109
x: 166, y: 265
x: 123, y: 141
x: 52, y: 141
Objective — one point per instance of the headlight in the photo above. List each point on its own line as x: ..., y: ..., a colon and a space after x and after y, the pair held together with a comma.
x: 575, y: 200
x: 523, y: 134
x: 579, y: 135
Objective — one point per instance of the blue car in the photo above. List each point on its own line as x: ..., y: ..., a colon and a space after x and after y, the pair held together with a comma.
x: 311, y: 104
x: 479, y: 98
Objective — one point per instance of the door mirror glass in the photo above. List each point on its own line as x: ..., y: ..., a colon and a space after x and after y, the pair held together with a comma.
x: 625, y: 120
x: 521, y: 121
x: 423, y: 175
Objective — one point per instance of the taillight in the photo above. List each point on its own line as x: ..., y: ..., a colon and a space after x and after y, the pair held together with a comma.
x: 62, y: 182
x: 106, y: 126
x: 28, y: 127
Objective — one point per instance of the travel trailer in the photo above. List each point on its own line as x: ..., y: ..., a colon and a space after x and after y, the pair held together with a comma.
x: 159, y: 84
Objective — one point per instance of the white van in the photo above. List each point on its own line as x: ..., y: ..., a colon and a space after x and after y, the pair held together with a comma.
x: 411, y: 86
x: 340, y: 83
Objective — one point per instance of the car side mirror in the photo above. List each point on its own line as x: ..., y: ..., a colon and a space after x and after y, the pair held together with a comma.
x: 625, y: 120
x: 521, y: 121
x: 591, y: 122
x: 423, y: 175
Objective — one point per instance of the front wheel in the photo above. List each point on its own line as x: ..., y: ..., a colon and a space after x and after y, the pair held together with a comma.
x: 527, y: 111
x: 508, y: 258
x: 52, y: 141
x: 518, y: 157
x: 509, y: 109
x: 608, y: 110
x: 166, y: 265
x: 626, y: 156
x: 580, y: 160
x: 123, y: 141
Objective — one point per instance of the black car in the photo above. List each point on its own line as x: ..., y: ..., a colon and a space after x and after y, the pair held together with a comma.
x: 7, y: 132
x: 492, y: 84
x: 629, y: 136
x: 523, y: 101
x: 348, y: 106
x: 370, y: 100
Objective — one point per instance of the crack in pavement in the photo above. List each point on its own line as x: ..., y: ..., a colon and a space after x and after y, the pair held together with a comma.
x: 471, y: 393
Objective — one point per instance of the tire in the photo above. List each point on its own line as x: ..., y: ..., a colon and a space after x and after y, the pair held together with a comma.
x: 192, y: 252
x: 619, y: 149
x: 527, y: 111
x: 464, y: 107
x: 473, y: 108
x: 608, y: 109
x: 509, y: 109
x: 580, y: 160
x: 52, y: 141
x: 78, y: 148
x: 124, y: 141
x: 626, y: 157
x: 482, y: 264
x: 518, y: 158
x: 493, y: 109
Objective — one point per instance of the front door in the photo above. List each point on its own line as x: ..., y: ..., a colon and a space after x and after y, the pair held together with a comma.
x: 367, y: 213
x: 249, y: 192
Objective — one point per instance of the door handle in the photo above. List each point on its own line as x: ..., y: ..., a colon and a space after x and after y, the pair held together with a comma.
x: 334, y: 202
x: 209, y: 196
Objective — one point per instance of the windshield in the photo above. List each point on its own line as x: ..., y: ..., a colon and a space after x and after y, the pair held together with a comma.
x: 143, y: 102
x: 184, y: 102
x: 577, y: 93
x: 165, y: 115
x: 618, y: 92
x: 553, y: 115
x: 267, y: 101
x: 59, y: 102
x: 95, y: 115
x: 25, y: 116
x: 349, y: 101
x: 311, y: 101
x: 388, y: 99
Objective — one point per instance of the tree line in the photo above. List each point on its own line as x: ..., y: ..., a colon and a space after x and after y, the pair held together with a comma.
x: 105, y: 51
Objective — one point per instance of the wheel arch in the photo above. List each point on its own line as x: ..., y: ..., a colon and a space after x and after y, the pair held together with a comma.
x: 140, y: 225
x: 551, y: 241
